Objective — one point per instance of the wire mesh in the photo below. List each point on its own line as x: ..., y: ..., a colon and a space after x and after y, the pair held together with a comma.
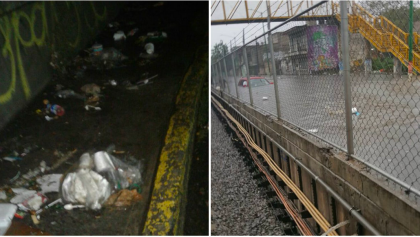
x: 308, y: 62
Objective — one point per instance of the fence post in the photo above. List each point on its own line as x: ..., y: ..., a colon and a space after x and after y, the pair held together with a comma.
x: 347, y: 83
x: 273, y: 64
x: 234, y: 74
x: 222, y: 85
x: 226, y: 73
x: 247, y: 71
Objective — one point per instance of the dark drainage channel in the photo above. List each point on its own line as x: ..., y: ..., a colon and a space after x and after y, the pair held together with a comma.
x: 197, y: 213
x: 283, y: 218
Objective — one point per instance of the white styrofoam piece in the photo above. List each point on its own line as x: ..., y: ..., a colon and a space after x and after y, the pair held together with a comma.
x: 7, y: 211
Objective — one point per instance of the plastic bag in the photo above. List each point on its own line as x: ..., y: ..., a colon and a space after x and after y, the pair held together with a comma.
x: 86, y: 186
x: 118, y: 173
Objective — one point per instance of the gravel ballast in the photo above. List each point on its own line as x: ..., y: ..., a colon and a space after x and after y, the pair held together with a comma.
x: 238, y: 205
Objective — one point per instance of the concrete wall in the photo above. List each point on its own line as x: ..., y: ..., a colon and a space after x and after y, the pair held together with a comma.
x: 388, y: 209
x: 30, y: 33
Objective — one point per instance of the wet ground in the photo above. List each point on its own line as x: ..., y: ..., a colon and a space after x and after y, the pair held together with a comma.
x: 134, y: 120
x: 386, y: 132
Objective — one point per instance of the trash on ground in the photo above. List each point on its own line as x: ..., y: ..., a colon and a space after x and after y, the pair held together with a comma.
x: 133, y: 32
x: 53, y: 108
x: 48, y: 118
x: 265, y: 98
x: 354, y: 111
x: 12, y: 159
x: 34, y: 202
x: 7, y: 211
x: 70, y: 206
x: 22, y: 194
x: 49, y: 183
x: 43, y: 166
x: 15, y: 177
x: 31, y: 174
x: 97, y: 49
x: 35, y: 219
x: 313, y: 130
x: 113, y: 82
x: 91, y: 89
x: 3, y: 195
x: 119, y: 35
x: 49, y: 205
x: 85, y: 186
x: 150, y: 48
x: 119, y: 174
x: 157, y: 35
x: 88, y: 107
x: 69, y: 94
x: 124, y: 197
x: 146, y: 81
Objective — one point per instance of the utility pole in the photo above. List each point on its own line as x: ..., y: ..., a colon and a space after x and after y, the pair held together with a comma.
x: 266, y: 49
x: 410, y: 42
x: 258, y: 61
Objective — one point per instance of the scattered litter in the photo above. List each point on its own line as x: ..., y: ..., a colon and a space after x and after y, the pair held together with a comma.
x: 124, y: 197
x: 34, y: 219
x: 48, y: 118
x: 91, y: 89
x: 7, y: 211
x: 313, y: 130
x: 50, y: 205
x: 86, y: 187
x: 31, y: 174
x: 43, y: 166
x: 150, y: 48
x: 22, y: 195
x: 119, y: 174
x: 97, y: 49
x: 146, y: 81
x: 20, y: 214
x: 53, y: 223
x: 34, y: 202
x: 119, y: 35
x: 87, y: 107
x: 265, y: 98
x: 12, y: 159
x: 55, y: 109
x: 132, y: 32
x: 15, y: 178
x: 3, y: 195
x: 354, y: 111
x: 157, y: 35
x: 113, y: 82
x: 69, y: 94
x: 70, y: 206
x: 50, y: 183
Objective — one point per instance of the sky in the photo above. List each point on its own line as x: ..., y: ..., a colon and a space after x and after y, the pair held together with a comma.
x: 226, y: 33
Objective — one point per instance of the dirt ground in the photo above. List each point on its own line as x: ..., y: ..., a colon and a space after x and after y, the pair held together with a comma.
x: 134, y: 120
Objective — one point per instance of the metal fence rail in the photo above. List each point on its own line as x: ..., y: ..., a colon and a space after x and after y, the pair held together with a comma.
x: 348, y: 78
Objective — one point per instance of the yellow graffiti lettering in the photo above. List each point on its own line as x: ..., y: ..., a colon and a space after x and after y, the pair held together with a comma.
x: 11, y: 49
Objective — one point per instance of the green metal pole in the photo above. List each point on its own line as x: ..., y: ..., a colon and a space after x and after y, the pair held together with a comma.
x: 410, y: 39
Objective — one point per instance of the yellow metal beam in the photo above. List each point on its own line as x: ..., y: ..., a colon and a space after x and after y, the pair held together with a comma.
x: 274, y: 14
x: 224, y: 10
x: 246, y: 9
x: 299, y: 8
x: 255, y: 10
x: 233, y: 10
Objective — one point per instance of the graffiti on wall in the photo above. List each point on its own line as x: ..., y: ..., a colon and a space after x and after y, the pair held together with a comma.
x: 32, y: 27
x: 322, y: 47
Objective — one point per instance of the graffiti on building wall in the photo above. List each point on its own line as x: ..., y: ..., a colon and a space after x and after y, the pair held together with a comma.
x: 26, y: 28
x: 322, y: 47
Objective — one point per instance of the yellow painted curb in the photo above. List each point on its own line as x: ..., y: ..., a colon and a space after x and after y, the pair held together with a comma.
x: 170, y: 187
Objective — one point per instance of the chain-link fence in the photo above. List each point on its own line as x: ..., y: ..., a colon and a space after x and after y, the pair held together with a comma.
x: 312, y: 58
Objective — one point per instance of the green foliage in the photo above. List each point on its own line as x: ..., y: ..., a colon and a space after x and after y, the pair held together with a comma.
x: 383, y: 63
x: 219, y: 50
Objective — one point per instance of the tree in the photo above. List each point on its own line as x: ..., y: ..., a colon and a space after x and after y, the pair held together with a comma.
x: 219, y: 51
x: 395, y: 11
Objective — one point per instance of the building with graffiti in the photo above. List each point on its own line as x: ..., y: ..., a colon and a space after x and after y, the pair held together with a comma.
x: 322, y: 47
